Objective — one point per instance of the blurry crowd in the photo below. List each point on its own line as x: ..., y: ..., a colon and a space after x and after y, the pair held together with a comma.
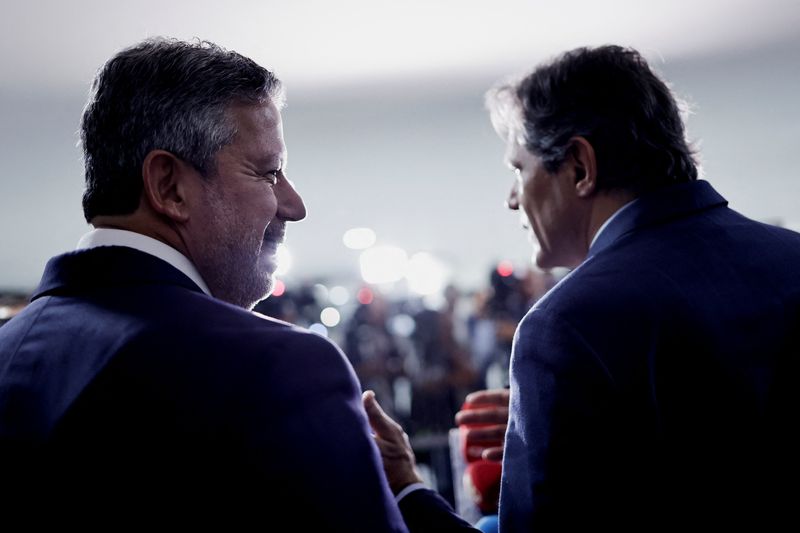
x: 422, y: 355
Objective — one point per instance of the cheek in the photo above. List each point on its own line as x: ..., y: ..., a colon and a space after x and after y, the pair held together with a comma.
x: 531, y: 201
x: 261, y: 205
x: 270, y: 206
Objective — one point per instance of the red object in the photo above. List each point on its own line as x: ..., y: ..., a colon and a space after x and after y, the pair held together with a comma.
x: 365, y: 295
x: 481, y: 477
x: 279, y: 288
x: 482, y: 481
x: 505, y: 268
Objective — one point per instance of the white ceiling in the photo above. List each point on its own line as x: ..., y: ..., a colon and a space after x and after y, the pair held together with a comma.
x: 312, y: 44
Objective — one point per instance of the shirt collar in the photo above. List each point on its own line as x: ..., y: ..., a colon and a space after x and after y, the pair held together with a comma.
x: 143, y: 243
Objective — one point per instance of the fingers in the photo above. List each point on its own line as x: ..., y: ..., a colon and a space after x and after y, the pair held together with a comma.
x: 493, y: 454
x: 391, y: 450
x: 393, y: 444
x: 383, y: 426
x: 490, y: 415
x: 392, y: 441
x: 486, y: 434
x: 487, y: 409
x: 489, y: 397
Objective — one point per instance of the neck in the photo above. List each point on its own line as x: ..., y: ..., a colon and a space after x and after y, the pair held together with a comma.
x: 604, y: 207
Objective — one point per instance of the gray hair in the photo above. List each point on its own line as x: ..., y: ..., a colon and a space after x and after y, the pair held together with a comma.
x: 610, y: 96
x: 162, y: 94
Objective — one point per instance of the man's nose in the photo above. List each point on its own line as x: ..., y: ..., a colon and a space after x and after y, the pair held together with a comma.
x: 290, y: 203
x: 512, y: 202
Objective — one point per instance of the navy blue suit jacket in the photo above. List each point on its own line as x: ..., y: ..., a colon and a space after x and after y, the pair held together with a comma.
x: 656, y: 385
x: 126, y: 391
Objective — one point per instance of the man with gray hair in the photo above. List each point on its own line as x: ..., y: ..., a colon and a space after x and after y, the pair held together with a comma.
x: 138, y: 384
x: 654, y: 386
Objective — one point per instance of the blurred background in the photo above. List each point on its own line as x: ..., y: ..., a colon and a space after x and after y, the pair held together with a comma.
x: 407, y: 259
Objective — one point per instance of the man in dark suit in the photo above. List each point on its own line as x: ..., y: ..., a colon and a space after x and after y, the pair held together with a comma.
x: 137, y: 384
x: 653, y: 387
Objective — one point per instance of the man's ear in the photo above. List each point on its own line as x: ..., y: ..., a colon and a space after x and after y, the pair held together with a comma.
x: 166, y: 181
x: 584, y: 165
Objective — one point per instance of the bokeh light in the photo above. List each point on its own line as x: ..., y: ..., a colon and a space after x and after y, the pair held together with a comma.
x: 319, y: 329
x: 426, y: 274
x: 284, y: 260
x: 505, y: 268
x: 330, y: 317
x: 365, y: 295
x: 358, y: 238
x: 383, y: 264
x: 320, y: 292
x: 402, y: 325
x: 339, y: 295
x: 278, y: 288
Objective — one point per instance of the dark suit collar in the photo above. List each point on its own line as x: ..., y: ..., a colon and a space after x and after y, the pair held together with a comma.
x: 657, y: 207
x: 107, y: 266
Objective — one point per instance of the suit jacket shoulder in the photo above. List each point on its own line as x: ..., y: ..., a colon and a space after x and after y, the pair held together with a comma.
x: 658, y: 361
x: 124, y: 374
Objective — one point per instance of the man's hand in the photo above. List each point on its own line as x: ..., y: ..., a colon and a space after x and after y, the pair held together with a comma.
x: 398, y: 457
x: 490, y: 409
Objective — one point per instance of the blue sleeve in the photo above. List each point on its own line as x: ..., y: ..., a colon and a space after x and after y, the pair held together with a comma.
x: 326, y: 438
x: 561, y: 397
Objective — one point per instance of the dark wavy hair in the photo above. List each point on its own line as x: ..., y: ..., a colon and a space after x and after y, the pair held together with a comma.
x: 162, y: 94
x: 610, y: 96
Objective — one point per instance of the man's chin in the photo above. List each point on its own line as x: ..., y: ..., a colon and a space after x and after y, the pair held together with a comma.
x: 267, y: 265
x: 269, y: 286
x: 539, y: 257
x: 544, y: 259
x: 259, y: 284
x: 257, y: 294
